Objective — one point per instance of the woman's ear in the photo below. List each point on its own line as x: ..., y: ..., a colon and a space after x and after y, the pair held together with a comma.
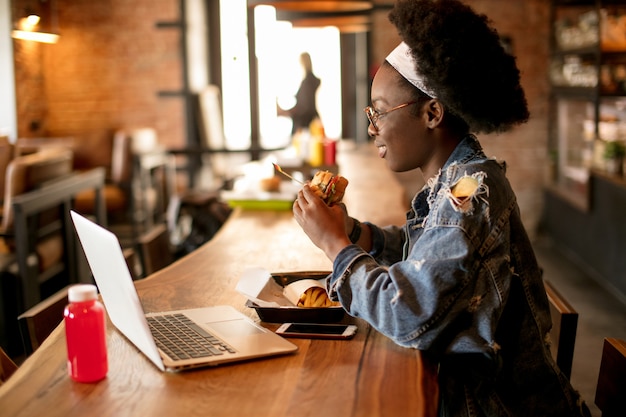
x: 434, y: 111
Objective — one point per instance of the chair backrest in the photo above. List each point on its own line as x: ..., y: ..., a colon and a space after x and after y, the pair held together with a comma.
x: 7, y: 366
x: 121, y: 158
x: 133, y: 262
x: 37, y: 322
x: 563, y: 332
x: 117, y: 190
x: 154, y: 178
x: 155, y: 249
x: 6, y: 154
x: 27, y: 146
x: 25, y: 173
x: 611, y: 388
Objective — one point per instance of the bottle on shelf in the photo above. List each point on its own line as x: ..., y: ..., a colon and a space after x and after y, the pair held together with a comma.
x: 316, y: 143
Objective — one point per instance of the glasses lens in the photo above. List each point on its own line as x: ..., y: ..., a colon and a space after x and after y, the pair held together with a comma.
x: 371, y: 116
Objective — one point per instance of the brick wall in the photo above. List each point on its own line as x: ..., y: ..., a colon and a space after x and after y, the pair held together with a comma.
x: 102, y: 75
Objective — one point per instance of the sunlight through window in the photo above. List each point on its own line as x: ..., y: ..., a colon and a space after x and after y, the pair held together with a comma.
x: 235, y: 74
x: 278, y: 47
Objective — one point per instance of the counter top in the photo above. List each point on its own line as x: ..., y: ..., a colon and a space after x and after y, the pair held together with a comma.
x: 366, y: 376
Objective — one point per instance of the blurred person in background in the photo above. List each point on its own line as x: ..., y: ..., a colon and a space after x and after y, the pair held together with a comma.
x: 305, y: 109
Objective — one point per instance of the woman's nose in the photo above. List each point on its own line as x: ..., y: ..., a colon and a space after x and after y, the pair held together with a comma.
x: 371, y: 130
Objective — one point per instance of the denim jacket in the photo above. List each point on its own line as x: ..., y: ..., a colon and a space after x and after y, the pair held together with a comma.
x: 460, y: 281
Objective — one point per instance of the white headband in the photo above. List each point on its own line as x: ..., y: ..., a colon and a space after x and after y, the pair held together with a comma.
x: 402, y: 60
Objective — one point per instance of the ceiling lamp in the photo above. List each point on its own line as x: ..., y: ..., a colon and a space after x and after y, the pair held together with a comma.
x: 347, y: 15
x: 345, y: 24
x: 318, y: 6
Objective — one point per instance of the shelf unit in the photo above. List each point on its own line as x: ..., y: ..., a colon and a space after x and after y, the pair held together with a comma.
x: 588, y: 96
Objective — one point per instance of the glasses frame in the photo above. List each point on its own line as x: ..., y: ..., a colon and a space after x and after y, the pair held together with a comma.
x: 374, y: 115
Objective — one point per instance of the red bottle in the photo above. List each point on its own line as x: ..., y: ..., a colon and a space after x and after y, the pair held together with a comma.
x: 85, y: 334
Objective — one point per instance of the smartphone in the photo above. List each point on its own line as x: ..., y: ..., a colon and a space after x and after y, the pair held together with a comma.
x: 317, y: 331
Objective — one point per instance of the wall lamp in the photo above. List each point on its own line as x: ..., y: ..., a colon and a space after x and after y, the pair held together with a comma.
x: 35, y: 21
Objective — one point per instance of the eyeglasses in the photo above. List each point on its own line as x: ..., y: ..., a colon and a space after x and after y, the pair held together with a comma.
x: 373, y: 115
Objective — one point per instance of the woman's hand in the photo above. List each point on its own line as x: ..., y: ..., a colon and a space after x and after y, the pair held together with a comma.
x: 324, y: 225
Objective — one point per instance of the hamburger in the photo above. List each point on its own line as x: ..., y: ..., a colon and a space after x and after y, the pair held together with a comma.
x: 328, y: 186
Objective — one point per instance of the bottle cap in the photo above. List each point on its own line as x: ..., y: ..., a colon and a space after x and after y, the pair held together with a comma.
x: 82, y: 292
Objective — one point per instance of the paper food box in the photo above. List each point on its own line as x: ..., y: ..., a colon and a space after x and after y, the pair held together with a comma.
x: 289, y: 296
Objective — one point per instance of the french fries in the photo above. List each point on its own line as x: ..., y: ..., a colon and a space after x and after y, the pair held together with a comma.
x: 315, y: 297
x: 308, y: 293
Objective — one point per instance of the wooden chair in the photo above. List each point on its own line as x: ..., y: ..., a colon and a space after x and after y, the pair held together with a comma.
x: 38, y: 256
x: 154, y: 179
x: 24, y: 174
x: 611, y: 388
x: 39, y: 321
x: 117, y: 190
x: 155, y: 249
x: 563, y: 332
x: 7, y: 366
x: 45, y: 253
x: 6, y: 154
x: 116, y: 158
x: 27, y: 146
x: 133, y: 262
x: 27, y: 172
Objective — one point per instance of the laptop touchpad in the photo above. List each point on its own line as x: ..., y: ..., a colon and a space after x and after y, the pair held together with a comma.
x: 234, y: 328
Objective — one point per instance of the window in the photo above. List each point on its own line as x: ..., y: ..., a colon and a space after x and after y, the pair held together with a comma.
x: 278, y: 46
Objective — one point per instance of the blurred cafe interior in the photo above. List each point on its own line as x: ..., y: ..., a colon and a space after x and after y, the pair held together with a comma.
x: 158, y: 119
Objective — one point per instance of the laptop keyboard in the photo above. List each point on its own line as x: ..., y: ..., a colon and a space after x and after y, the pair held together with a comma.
x: 181, y: 338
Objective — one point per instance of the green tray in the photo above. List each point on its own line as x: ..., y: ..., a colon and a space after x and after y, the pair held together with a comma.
x: 276, y: 205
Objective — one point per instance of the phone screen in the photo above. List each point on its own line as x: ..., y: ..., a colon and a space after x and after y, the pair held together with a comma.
x: 317, y: 331
x: 316, y: 328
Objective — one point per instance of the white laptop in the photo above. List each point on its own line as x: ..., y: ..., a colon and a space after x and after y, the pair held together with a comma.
x: 234, y: 336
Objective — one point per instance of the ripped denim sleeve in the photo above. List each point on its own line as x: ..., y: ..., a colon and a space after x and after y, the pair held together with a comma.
x: 440, y: 280
x: 406, y: 300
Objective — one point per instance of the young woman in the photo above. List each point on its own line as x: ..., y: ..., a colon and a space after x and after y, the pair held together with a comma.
x: 305, y: 109
x: 460, y: 279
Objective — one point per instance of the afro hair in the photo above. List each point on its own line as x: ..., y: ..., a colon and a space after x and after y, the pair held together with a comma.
x: 464, y: 62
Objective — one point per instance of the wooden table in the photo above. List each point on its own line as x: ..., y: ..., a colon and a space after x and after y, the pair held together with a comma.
x: 366, y: 376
